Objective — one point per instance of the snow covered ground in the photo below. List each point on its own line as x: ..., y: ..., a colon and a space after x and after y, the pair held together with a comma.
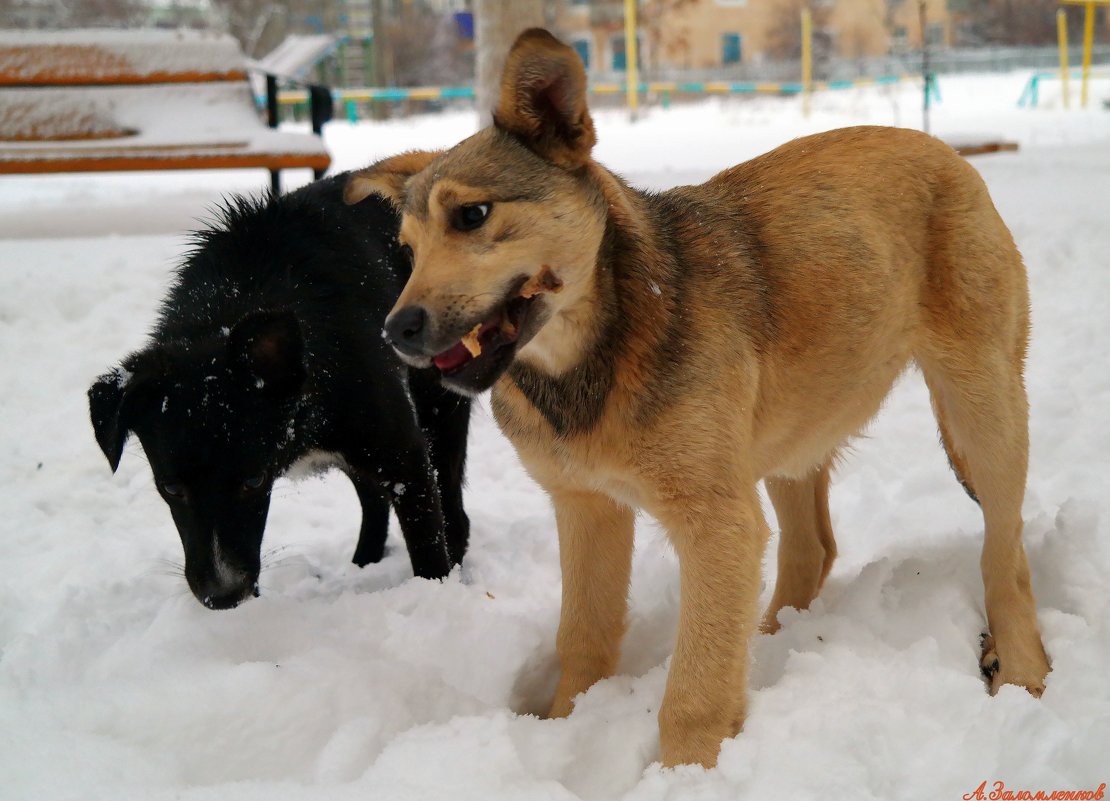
x: 343, y: 683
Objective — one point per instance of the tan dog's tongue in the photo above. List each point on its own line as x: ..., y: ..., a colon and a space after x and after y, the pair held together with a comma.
x: 451, y: 358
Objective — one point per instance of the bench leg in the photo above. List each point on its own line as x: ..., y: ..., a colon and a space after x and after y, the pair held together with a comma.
x: 275, y: 182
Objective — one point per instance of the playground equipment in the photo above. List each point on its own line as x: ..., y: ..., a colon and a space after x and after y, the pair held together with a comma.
x: 632, y: 56
x: 1088, y: 44
x: 350, y: 98
x: 807, y: 59
x: 1031, y: 94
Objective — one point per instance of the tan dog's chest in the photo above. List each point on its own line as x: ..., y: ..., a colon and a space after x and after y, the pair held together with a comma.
x: 594, y: 461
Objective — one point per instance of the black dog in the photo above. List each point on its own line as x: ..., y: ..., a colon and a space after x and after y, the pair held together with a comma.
x: 268, y: 350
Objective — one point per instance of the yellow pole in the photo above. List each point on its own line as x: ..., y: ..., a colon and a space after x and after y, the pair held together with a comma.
x: 631, y: 57
x: 1088, y: 44
x: 1062, y: 35
x: 807, y: 59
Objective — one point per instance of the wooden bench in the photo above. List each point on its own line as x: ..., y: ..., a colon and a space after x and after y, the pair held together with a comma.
x: 98, y: 100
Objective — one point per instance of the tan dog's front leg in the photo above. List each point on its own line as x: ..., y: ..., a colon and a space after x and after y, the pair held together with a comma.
x: 720, y: 543
x: 595, y: 552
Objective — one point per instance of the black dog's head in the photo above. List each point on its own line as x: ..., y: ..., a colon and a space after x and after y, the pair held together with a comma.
x: 216, y: 418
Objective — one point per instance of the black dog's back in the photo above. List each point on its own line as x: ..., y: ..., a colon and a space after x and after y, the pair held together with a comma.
x: 268, y: 350
x: 336, y: 266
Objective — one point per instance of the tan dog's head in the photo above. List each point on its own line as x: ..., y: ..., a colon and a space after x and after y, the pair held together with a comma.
x: 503, y: 229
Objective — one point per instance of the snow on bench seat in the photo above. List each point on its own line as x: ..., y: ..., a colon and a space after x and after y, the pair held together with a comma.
x: 82, y: 101
x: 104, y: 57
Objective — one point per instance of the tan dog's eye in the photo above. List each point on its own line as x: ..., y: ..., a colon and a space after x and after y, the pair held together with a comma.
x: 406, y: 251
x: 469, y: 217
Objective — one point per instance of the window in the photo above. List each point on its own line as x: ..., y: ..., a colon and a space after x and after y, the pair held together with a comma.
x: 620, y: 58
x: 582, y: 48
x: 731, y: 50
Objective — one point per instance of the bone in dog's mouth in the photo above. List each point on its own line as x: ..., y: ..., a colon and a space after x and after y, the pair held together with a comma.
x: 503, y: 326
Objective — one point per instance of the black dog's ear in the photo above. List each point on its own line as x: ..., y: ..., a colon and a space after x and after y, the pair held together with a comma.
x: 269, y: 346
x: 543, y: 99
x: 115, y: 400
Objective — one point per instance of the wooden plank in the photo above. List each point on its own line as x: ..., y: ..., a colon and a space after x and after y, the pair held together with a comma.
x: 986, y: 147
x: 114, y: 58
x: 86, y: 65
x: 156, y: 161
x: 122, y: 79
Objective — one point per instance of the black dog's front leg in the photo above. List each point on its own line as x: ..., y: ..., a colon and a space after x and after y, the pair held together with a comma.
x: 445, y: 418
x: 409, y: 488
x: 415, y: 500
x: 407, y: 480
x: 375, y: 521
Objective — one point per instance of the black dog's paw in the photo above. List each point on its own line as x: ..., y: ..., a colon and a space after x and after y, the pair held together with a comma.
x: 369, y: 555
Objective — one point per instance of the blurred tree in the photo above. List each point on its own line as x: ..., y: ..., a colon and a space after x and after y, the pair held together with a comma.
x: 54, y: 14
x: 426, y: 49
x: 668, y: 41
x: 249, y: 21
x: 784, y: 37
x: 1016, y: 22
x: 497, y: 23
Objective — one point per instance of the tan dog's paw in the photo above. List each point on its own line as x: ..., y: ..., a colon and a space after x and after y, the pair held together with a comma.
x: 997, y: 671
x: 770, y: 623
x: 560, y: 708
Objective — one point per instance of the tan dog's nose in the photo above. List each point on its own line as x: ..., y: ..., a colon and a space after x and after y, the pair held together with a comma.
x: 405, y: 329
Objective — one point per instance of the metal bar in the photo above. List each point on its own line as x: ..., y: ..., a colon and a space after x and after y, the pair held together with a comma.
x: 631, y: 57
x: 807, y: 59
x: 1062, y: 36
x: 923, y: 13
x: 271, y: 101
x: 1088, y: 44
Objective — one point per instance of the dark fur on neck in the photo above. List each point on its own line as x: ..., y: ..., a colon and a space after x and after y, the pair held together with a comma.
x: 641, y: 319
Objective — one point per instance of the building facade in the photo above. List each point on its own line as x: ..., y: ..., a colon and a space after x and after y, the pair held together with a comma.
x: 714, y: 36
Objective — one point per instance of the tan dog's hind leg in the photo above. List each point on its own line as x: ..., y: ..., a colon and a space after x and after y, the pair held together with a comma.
x: 976, y: 322
x: 986, y: 417
x: 807, y: 547
x: 595, y: 552
x: 720, y: 538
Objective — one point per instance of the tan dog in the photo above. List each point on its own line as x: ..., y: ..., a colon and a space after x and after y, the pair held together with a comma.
x: 668, y: 351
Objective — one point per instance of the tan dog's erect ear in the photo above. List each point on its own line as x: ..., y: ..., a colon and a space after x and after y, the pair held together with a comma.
x: 387, y: 177
x: 543, y: 99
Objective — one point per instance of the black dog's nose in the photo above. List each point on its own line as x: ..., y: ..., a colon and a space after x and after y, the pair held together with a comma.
x: 405, y: 328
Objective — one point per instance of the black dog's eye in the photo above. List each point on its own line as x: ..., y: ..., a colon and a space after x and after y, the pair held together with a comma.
x: 467, y: 218
x: 406, y: 251
x: 174, y: 490
x: 254, y: 482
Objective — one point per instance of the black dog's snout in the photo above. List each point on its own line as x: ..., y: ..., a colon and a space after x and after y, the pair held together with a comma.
x: 218, y: 596
x: 406, y: 329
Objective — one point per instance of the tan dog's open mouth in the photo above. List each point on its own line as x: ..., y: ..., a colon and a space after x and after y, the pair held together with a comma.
x: 501, y: 329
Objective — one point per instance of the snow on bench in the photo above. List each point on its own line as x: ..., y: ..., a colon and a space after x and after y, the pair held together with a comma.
x: 81, y: 101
